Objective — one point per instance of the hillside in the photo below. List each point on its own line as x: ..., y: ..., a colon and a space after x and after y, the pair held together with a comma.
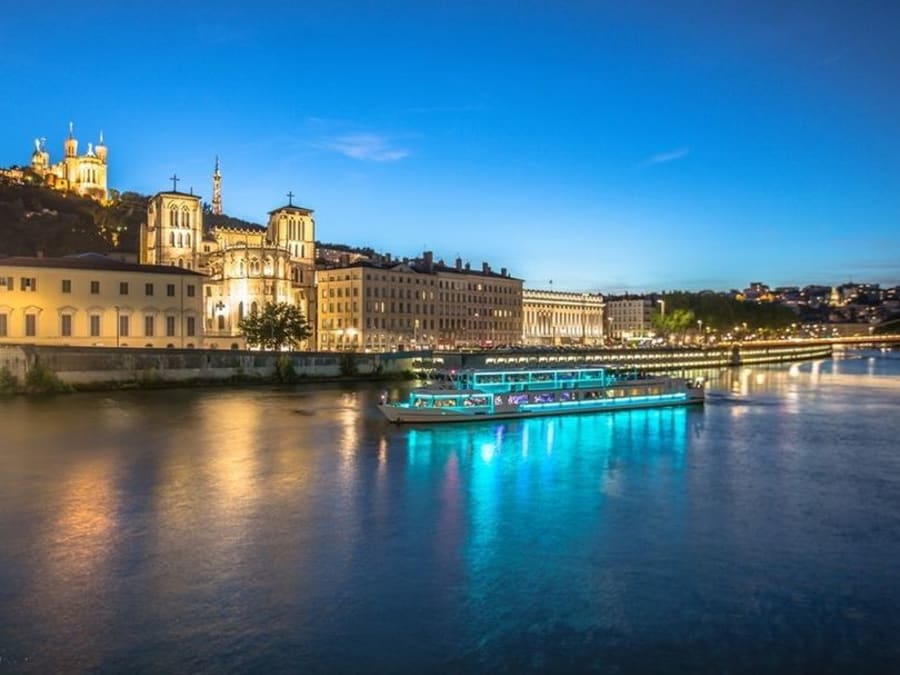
x: 35, y: 219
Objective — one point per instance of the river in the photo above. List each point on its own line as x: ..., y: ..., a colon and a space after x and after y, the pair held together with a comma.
x: 292, y: 530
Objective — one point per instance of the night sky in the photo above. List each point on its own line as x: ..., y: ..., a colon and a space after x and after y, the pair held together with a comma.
x: 603, y: 146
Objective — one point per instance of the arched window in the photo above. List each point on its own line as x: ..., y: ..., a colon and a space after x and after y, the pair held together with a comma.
x: 240, y: 310
x: 173, y: 217
x: 221, y: 322
x: 181, y: 262
x: 240, y: 268
x: 186, y: 218
x: 171, y: 239
x: 254, y: 308
x: 187, y: 239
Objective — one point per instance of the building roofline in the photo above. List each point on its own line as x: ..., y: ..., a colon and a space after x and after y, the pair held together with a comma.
x: 94, y: 262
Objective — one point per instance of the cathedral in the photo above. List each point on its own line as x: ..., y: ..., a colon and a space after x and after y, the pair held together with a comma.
x: 84, y: 174
x: 247, y: 265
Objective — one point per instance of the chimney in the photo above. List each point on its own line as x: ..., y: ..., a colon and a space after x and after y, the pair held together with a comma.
x: 485, y: 268
x: 429, y: 261
x: 502, y: 271
x: 459, y: 263
x: 345, y: 259
x: 387, y: 258
x: 468, y: 268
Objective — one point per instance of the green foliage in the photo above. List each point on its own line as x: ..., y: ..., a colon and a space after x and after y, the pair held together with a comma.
x: 276, y: 327
x: 284, y: 369
x: 41, y: 380
x: 890, y: 327
x: 348, y: 365
x: 9, y: 383
x: 719, y: 312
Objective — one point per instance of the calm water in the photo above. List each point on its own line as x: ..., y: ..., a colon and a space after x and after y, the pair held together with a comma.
x: 286, y: 531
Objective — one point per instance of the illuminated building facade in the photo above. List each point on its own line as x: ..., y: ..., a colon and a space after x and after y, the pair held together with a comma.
x: 561, y: 318
x: 629, y: 317
x: 92, y: 300
x: 385, y: 304
x: 248, y: 266
x: 85, y: 175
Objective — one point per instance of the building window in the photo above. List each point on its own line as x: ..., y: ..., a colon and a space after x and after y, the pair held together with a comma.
x: 95, y: 287
x: 7, y: 283
x: 65, y: 328
x: 28, y: 284
x: 123, y: 288
x: 191, y: 326
x: 95, y: 325
x: 170, y: 326
x: 148, y: 326
x: 123, y: 326
x: 148, y: 289
x: 170, y: 290
x: 3, y: 325
x: 221, y: 322
x: 30, y: 325
x: 66, y: 285
x: 191, y: 290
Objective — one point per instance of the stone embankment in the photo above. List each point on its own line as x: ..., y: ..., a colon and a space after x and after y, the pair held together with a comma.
x: 98, y: 367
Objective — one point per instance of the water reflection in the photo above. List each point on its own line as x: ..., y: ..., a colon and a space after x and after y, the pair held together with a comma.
x: 270, y: 529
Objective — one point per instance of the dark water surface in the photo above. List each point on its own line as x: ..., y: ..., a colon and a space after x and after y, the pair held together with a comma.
x: 273, y: 530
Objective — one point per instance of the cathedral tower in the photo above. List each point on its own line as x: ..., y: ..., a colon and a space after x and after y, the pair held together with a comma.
x: 217, y: 190
x: 174, y: 229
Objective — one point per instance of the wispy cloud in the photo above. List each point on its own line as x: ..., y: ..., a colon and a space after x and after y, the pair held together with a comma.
x: 367, y: 147
x: 665, y: 157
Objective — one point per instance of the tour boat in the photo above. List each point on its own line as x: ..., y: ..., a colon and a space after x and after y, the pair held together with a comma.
x: 505, y: 394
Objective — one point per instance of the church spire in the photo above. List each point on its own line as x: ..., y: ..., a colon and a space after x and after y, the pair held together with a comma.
x: 217, y: 190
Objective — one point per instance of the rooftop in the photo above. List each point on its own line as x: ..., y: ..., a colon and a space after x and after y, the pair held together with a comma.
x: 93, y: 261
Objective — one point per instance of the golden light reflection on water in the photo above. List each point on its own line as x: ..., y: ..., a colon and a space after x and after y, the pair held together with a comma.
x: 79, y: 543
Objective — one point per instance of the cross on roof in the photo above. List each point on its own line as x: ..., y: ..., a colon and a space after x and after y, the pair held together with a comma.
x: 174, y: 180
x: 290, y: 196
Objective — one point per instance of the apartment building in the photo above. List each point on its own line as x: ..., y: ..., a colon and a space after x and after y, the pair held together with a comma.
x: 92, y: 300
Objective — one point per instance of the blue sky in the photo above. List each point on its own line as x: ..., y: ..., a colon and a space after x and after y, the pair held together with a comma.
x: 603, y: 146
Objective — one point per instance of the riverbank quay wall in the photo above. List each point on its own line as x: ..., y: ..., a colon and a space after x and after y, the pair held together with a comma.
x: 659, y: 359
x: 98, y: 366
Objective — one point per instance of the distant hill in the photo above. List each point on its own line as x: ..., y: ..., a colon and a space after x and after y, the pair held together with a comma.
x: 35, y: 219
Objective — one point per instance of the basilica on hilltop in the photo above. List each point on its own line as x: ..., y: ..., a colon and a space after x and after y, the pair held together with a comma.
x: 247, y: 265
x: 84, y: 175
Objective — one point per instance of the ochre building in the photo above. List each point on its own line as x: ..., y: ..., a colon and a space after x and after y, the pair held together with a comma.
x: 92, y: 300
x: 386, y: 304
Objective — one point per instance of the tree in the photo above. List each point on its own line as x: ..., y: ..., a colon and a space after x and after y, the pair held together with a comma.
x: 277, y: 326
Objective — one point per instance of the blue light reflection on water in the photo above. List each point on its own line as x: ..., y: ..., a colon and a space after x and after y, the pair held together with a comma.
x: 284, y: 530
